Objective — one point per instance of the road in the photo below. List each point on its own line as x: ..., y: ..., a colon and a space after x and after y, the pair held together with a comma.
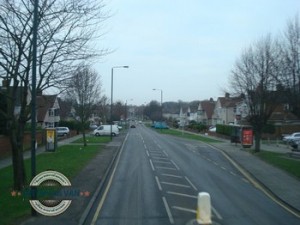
x: 157, y: 178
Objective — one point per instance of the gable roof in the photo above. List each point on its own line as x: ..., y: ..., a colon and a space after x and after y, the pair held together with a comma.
x: 208, y: 106
x: 44, y: 103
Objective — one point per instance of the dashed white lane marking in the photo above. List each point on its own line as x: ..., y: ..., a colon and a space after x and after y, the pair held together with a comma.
x: 158, y: 183
x: 184, y: 209
x: 190, y: 182
x: 218, y: 215
x: 168, y: 210
x: 175, y: 184
x: 223, y: 168
x: 182, y: 195
x: 145, y: 146
x: 177, y: 167
x: 171, y: 175
x: 165, y: 168
x: 152, y: 165
x: 147, y: 153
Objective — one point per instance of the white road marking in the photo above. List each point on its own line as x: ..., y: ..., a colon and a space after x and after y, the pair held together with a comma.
x: 190, y: 182
x: 223, y: 168
x: 177, y: 167
x: 145, y: 146
x: 218, y: 215
x: 166, y: 168
x: 184, y: 209
x: 160, y: 158
x: 158, y: 183
x: 147, y: 153
x: 165, y: 153
x: 163, y: 162
x: 152, y: 165
x: 171, y: 175
x: 182, y: 195
x: 168, y: 210
x: 175, y: 184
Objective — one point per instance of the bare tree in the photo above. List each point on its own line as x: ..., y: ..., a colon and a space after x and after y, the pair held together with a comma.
x: 255, y: 77
x: 290, y: 64
x: 84, y: 90
x: 65, y: 29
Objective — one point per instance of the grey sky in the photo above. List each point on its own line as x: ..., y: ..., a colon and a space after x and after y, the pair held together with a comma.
x: 186, y: 48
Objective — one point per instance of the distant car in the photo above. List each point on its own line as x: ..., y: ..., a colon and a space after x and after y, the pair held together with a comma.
x: 132, y: 126
x: 212, y: 129
x: 62, y: 131
x: 293, y: 136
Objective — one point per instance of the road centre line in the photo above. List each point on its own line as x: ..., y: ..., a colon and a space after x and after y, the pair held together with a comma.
x: 177, y: 167
x: 152, y: 165
x: 184, y: 209
x: 175, y: 184
x: 166, y: 168
x: 171, y: 175
x: 147, y: 153
x: 190, y: 182
x: 168, y: 210
x: 158, y: 183
x: 145, y: 146
x: 182, y: 195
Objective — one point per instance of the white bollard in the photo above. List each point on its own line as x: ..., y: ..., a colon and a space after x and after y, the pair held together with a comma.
x: 204, y: 208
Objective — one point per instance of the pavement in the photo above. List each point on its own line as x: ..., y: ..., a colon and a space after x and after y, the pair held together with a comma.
x: 277, y: 184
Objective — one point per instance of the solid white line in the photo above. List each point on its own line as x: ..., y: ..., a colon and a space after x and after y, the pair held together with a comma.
x: 184, y: 209
x: 175, y: 184
x: 217, y: 213
x: 108, y: 186
x: 167, y: 168
x: 168, y: 210
x: 177, y: 167
x: 182, y: 195
x: 152, y: 165
x: 190, y: 182
x: 171, y: 175
x: 158, y: 183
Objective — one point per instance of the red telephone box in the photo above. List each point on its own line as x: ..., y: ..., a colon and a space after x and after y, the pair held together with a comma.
x: 247, y: 137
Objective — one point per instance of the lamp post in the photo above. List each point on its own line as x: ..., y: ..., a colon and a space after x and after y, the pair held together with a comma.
x: 111, y: 99
x: 161, y: 100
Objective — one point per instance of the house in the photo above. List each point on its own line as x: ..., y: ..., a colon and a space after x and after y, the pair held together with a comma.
x: 47, y: 110
x: 205, y: 112
x: 225, y: 109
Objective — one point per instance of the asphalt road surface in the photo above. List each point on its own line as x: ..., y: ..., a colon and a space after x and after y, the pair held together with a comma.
x: 157, y: 178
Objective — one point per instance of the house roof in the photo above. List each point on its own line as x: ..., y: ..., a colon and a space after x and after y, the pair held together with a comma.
x: 227, y: 102
x: 44, y: 103
x: 208, y: 106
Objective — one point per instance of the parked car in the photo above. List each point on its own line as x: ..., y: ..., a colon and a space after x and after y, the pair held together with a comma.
x: 106, y: 130
x: 295, y: 144
x: 293, y: 136
x: 62, y: 131
x: 212, y: 129
x: 132, y: 126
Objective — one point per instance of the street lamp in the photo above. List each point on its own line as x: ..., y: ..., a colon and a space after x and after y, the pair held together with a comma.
x: 111, y: 99
x: 161, y: 100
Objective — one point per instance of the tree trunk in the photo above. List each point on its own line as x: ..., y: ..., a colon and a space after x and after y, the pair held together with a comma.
x: 257, y: 142
x: 19, y: 178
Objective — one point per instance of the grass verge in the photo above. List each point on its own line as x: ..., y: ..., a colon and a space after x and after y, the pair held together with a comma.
x: 281, y: 161
x: 94, y: 139
x: 68, y: 160
x: 187, y: 135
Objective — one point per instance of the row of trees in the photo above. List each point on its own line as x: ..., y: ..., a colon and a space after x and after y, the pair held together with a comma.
x: 268, y: 74
x: 65, y: 30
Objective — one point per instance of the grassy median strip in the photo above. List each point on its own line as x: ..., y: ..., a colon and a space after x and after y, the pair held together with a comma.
x: 67, y: 159
x: 281, y: 161
x: 187, y: 135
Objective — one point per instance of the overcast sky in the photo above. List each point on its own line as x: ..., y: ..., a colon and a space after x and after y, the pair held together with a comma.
x: 186, y: 48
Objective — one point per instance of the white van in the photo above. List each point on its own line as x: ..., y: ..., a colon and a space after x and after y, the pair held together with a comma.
x: 105, y: 130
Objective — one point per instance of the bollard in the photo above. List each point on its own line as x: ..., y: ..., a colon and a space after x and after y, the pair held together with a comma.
x: 203, y: 208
